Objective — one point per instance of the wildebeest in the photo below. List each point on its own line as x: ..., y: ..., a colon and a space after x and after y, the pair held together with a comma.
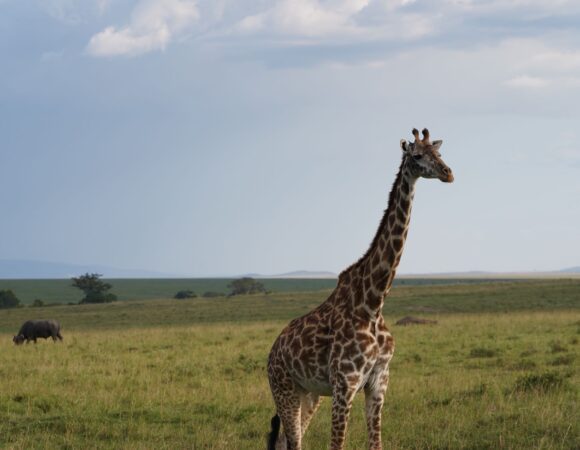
x: 33, y: 329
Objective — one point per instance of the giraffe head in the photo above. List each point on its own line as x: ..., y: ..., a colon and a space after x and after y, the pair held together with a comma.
x: 422, y: 158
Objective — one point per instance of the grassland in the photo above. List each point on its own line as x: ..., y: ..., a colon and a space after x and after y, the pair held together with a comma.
x: 499, y: 370
x: 61, y: 291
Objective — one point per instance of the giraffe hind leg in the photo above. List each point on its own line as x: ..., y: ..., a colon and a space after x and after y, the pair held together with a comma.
x: 309, y: 403
x: 288, y: 408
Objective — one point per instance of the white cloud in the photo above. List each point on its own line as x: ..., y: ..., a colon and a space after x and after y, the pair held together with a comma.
x: 527, y: 81
x: 305, y: 18
x: 154, y: 23
x: 338, y: 20
x: 74, y: 12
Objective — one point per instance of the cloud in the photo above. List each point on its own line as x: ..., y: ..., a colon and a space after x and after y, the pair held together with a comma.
x: 74, y: 12
x: 153, y: 25
x: 527, y: 81
x: 368, y: 24
x: 339, y: 20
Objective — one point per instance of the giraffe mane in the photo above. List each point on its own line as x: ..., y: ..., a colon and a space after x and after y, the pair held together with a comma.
x: 391, y: 204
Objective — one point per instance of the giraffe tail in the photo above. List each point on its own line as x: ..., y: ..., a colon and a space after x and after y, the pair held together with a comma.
x: 273, y: 435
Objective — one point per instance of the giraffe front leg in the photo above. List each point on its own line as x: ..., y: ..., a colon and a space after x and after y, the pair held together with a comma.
x: 374, y: 399
x: 341, y: 404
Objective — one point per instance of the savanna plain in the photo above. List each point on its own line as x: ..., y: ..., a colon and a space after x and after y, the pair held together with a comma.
x: 498, y: 370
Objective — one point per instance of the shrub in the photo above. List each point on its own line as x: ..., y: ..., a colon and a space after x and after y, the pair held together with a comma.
x: 99, y: 297
x: 557, y: 347
x: 563, y: 360
x: 185, y: 294
x: 539, y: 382
x: 211, y: 294
x: 8, y: 299
x: 481, y: 352
x: 246, y: 285
x: 37, y: 303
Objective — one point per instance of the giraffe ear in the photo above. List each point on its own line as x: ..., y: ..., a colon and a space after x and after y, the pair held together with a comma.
x: 436, y: 145
x: 404, y: 145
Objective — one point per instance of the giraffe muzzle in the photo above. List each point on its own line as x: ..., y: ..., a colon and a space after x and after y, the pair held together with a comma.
x: 446, y: 175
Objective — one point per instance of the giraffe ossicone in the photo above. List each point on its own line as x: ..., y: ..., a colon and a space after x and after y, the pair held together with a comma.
x: 343, y: 346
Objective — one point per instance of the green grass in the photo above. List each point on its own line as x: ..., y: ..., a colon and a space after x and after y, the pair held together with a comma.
x: 61, y: 291
x: 499, y: 370
x: 541, y: 295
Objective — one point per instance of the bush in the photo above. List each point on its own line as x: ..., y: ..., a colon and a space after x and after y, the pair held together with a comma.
x: 98, y: 297
x: 481, y: 352
x: 185, y: 294
x: 8, y: 299
x: 557, y: 347
x: 542, y: 382
x: 211, y: 294
x: 246, y: 285
x: 37, y: 303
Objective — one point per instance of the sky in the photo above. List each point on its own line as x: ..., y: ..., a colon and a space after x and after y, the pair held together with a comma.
x: 222, y: 137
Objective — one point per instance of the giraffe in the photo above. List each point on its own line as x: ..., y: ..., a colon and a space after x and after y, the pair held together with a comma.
x: 343, y: 346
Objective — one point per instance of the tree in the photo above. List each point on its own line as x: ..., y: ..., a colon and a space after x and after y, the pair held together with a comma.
x: 246, y: 285
x: 185, y: 294
x: 94, y: 288
x: 37, y: 303
x: 8, y: 299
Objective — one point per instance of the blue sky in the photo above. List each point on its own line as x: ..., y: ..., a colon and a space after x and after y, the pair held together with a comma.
x: 225, y: 137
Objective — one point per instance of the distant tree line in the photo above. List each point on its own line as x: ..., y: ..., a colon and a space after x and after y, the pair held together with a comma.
x: 190, y: 294
x: 97, y: 291
x: 241, y: 286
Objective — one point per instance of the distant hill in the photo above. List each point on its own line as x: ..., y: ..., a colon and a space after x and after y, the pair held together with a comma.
x: 25, y: 269
x: 570, y: 270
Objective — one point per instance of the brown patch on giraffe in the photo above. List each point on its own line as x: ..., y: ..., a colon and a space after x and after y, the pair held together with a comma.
x: 397, y: 244
x: 351, y: 349
x: 297, y: 366
x: 346, y: 367
x: 390, y: 344
x: 397, y: 229
x: 348, y: 332
x: 367, y: 284
x: 378, y: 276
x: 375, y: 260
x: 374, y: 300
x: 353, y: 379
x: 381, y: 340
x: 358, y: 362
x: 364, y: 339
x: 295, y: 345
x: 401, y: 216
x: 344, y: 277
x: 382, y: 244
x: 390, y: 256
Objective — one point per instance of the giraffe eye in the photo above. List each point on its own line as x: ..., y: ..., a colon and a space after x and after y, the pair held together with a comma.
x: 417, y: 157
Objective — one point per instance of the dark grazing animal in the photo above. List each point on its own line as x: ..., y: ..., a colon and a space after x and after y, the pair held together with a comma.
x: 34, y: 329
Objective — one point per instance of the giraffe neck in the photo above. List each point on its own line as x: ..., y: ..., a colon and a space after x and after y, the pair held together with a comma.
x: 379, y: 264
